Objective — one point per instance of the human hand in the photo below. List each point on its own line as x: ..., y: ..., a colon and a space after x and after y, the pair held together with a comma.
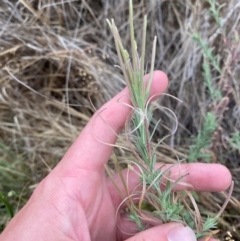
x: 77, y: 202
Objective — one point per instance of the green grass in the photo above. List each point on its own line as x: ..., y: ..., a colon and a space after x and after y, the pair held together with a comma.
x: 14, y: 175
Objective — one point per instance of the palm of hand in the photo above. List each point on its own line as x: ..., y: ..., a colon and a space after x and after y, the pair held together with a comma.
x: 87, y: 206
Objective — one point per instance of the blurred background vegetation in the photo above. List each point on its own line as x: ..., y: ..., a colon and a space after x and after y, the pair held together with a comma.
x: 56, y: 54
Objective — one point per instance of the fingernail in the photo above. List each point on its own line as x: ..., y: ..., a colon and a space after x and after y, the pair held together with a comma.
x: 181, y: 234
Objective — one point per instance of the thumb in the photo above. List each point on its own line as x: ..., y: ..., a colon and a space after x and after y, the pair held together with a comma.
x: 166, y: 232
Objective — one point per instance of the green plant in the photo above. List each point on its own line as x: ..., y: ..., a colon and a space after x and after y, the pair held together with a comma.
x: 234, y: 141
x: 7, y: 205
x: 154, y: 202
x: 13, y: 177
x: 211, y: 64
x: 209, y: 60
x: 215, y: 12
x: 203, y: 139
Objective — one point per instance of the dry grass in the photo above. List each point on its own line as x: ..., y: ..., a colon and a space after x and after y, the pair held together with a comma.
x: 54, y: 54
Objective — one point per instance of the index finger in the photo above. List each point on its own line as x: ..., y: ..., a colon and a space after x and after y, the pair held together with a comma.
x: 89, y: 153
